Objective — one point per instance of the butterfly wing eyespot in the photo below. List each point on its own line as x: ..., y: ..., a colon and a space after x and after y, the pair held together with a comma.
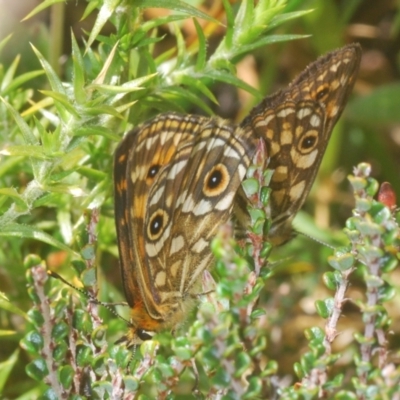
x: 309, y: 141
x: 216, y: 181
x: 153, y: 170
x: 322, y: 93
x: 156, y: 225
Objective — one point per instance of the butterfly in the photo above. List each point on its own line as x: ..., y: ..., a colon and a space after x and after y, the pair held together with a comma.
x: 178, y: 179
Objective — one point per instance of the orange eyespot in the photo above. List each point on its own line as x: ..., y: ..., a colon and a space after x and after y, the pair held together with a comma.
x: 156, y: 224
x: 308, y: 141
x: 216, y: 181
x: 152, y: 172
x: 158, y: 221
x: 321, y: 93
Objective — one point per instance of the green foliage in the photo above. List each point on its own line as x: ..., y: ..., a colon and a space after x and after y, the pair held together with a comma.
x: 55, y: 201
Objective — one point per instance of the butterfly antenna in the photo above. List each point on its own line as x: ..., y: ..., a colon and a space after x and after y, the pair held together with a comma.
x: 90, y: 296
x: 316, y: 240
x: 57, y: 276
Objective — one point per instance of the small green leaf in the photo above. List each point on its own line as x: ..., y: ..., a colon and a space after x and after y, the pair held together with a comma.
x: 281, y: 18
x: 270, y: 39
x: 79, y: 72
x: 42, y: 6
x: 6, y: 367
x: 28, y: 135
x: 193, y: 82
x: 33, y: 342
x: 4, y: 41
x: 315, y: 333
x: 242, y: 363
x: 380, y: 213
x: 66, y: 376
x: 84, y: 356
x: 155, y: 22
x: 346, y: 395
x: 35, y: 316
x: 324, y: 308
x: 19, y: 81
x: 96, y: 130
x: 386, y: 293
x: 363, y: 204
x: 31, y: 151
x: 5, y: 304
x: 175, y: 5
x: 131, y: 384
x: 258, y: 313
x: 250, y: 186
x: 181, y: 93
x: 64, y: 101
x: 106, y: 11
x: 342, y: 262
x: 373, y: 187
x: 82, y: 321
x: 37, y: 369
x: 331, y: 280
x: 370, y: 253
x: 53, y: 78
x: 60, y: 352
x: 89, y: 277
x: 256, y: 215
x: 265, y: 195
x: 373, y: 281
x: 126, y: 87
x: 363, y: 340
x: 99, y: 336
x: 88, y: 252
x: 60, y: 331
x: 266, y: 249
x: 224, y: 76
x: 357, y: 183
x: 8, y: 76
x: 30, y: 232
x: 389, y: 263
x: 202, y: 52
x: 298, y: 370
x: 254, y: 389
x: 103, y: 109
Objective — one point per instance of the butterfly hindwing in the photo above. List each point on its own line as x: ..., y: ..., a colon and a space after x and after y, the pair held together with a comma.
x: 296, y: 124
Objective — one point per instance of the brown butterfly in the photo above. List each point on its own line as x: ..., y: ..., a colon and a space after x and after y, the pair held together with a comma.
x: 177, y: 180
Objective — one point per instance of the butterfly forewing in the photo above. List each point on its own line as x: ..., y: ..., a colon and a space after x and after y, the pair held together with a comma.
x: 191, y: 199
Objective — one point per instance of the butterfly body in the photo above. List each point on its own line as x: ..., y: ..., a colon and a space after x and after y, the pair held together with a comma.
x: 178, y: 179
